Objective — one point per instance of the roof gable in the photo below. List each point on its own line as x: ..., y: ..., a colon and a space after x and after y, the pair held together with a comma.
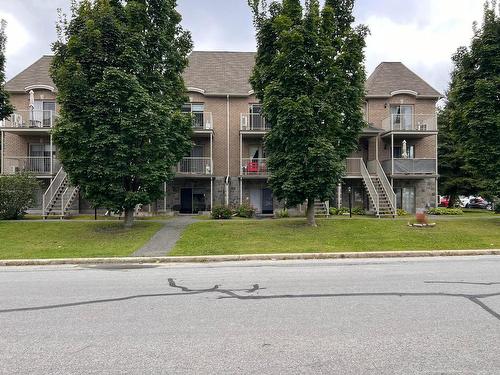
x: 217, y: 73
x: 37, y: 74
x: 391, y: 78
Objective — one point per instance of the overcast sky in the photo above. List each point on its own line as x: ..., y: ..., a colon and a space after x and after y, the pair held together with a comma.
x: 423, y: 34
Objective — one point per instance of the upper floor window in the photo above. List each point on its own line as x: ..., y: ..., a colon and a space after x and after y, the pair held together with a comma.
x: 42, y: 113
x: 399, y: 152
x: 401, y: 117
x: 257, y: 121
x: 198, y: 111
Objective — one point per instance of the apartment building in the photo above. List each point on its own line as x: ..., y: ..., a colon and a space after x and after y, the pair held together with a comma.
x: 395, y: 165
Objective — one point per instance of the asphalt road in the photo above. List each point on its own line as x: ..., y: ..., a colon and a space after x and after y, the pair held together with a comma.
x: 399, y: 316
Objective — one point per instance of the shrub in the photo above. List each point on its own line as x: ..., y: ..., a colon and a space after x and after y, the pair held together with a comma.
x: 338, y: 211
x: 401, y: 212
x: 221, y: 213
x: 445, y: 211
x: 283, y: 213
x: 17, y: 194
x: 358, y: 211
x: 245, y: 210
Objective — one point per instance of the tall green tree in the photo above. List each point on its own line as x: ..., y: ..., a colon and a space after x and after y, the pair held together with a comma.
x: 474, y: 102
x: 118, y: 68
x: 309, y: 75
x: 5, y: 106
x: 456, y: 176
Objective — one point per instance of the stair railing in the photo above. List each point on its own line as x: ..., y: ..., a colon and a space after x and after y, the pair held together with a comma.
x: 52, y: 190
x: 67, y: 198
x: 370, y: 186
x: 386, y: 185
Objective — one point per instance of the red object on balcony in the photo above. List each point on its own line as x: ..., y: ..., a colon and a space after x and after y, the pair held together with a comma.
x: 252, y: 167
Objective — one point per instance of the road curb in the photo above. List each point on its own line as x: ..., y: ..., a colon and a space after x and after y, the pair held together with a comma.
x: 249, y: 257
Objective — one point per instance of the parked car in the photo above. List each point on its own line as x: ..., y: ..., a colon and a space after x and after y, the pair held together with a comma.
x: 479, y: 202
x: 444, y: 201
x: 464, y: 201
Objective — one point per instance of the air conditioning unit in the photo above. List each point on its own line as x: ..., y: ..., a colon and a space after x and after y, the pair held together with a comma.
x: 244, y: 122
x: 15, y: 169
x: 208, y: 125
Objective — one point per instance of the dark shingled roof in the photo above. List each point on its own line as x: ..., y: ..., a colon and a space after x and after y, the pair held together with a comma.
x: 393, y: 76
x: 35, y: 74
x: 220, y: 72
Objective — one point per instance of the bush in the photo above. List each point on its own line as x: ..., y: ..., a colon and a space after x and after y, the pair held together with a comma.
x: 401, y: 212
x: 338, y: 211
x: 358, y: 211
x: 17, y: 194
x: 221, y: 213
x: 445, y: 211
x: 283, y: 213
x: 245, y: 210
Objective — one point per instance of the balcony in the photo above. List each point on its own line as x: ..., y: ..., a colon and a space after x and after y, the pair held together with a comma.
x: 195, y: 166
x: 202, y: 121
x: 38, y: 165
x: 410, y: 166
x: 254, y: 167
x: 254, y: 122
x: 32, y: 119
x: 410, y: 123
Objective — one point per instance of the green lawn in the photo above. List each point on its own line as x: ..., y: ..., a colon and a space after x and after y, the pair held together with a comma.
x: 32, y: 240
x: 336, y: 235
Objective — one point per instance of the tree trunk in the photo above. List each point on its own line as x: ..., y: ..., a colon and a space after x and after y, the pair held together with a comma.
x: 311, y: 219
x: 129, y: 217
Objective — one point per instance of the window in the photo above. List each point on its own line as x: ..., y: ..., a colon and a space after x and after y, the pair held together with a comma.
x: 49, y: 109
x: 410, y: 152
x: 402, y: 117
x: 197, y: 109
x: 398, y: 152
x: 256, y: 120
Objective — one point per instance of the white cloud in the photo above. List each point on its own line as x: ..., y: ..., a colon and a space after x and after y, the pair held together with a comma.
x: 18, y: 37
x: 426, y: 41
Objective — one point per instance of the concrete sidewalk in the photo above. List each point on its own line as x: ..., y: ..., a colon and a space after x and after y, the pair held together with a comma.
x: 165, y: 239
x: 249, y: 257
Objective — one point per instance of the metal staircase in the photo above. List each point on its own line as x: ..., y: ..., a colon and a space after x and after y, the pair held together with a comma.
x: 380, y: 192
x: 60, y: 196
x: 321, y: 208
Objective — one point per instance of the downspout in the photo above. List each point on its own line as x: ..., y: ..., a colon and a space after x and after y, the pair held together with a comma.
x: 1, y: 150
x: 227, y: 148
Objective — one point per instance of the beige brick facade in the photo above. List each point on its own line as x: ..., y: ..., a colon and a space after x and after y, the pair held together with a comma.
x: 227, y: 144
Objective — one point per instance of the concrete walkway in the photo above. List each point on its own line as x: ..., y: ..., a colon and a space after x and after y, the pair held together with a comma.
x: 164, y: 240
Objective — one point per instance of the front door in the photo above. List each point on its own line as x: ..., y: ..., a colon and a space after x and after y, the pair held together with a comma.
x: 186, y: 201
x: 267, y: 201
x: 256, y: 199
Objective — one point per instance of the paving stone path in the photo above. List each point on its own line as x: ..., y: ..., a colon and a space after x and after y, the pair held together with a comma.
x: 165, y: 239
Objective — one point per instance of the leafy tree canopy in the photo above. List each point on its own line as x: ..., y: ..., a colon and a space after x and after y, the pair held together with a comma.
x: 118, y: 67
x: 474, y: 102
x: 310, y: 76
x: 5, y: 107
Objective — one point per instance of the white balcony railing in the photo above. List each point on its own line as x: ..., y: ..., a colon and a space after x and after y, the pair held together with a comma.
x: 254, y: 121
x: 411, y: 122
x: 195, y: 166
x: 202, y: 120
x: 39, y: 165
x: 30, y: 119
x: 410, y: 166
x: 254, y: 167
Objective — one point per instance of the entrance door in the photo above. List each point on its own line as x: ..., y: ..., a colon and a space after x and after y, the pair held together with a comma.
x: 267, y: 201
x: 186, y: 201
x: 256, y: 199
x: 198, y: 200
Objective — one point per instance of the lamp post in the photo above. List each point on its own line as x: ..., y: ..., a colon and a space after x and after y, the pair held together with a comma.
x: 349, y: 190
